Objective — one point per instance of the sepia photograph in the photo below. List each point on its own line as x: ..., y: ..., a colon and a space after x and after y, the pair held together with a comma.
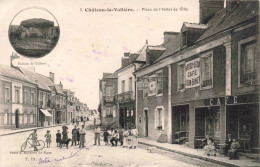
x: 129, y: 83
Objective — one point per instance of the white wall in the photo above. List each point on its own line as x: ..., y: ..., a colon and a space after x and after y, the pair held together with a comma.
x: 125, y: 75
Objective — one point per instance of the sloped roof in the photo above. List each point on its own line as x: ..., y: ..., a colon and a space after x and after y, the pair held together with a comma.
x: 11, y: 72
x: 142, y: 53
x: 42, y: 81
x: 58, y: 89
x: 224, y: 20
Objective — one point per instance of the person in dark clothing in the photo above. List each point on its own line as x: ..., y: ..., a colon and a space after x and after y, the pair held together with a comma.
x: 58, y: 138
x: 229, y: 141
x: 121, y: 137
x: 106, y: 134
x: 78, y: 136
x: 233, y: 151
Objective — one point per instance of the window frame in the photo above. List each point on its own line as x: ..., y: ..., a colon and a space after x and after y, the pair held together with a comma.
x: 122, y: 86
x: 203, y: 56
x: 240, y: 47
x: 7, y: 90
x: 147, y: 91
x: 156, y: 74
x: 130, y: 84
x: 162, y: 118
x: 178, y: 76
x: 17, y: 100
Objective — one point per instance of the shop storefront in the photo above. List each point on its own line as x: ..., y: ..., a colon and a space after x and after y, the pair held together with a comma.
x: 127, y: 115
x: 180, y: 124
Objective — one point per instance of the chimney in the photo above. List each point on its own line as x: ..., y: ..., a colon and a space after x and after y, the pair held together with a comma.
x: 51, y: 76
x: 230, y: 4
x: 125, y: 59
x: 12, y: 57
x: 61, y: 85
x: 169, y: 36
x: 208, y: 8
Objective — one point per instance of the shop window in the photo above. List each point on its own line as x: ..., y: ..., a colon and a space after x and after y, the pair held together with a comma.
x: 207, y: 70
x: 159, y: 82
x: 159, y: 118
x: 248, y: 62
x: 181, y: 76
x: 7, y: 94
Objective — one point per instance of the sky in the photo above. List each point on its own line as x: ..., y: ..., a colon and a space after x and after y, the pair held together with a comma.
x: 91, y: 43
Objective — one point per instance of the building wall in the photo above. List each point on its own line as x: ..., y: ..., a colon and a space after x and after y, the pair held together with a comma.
x: 125, y: 75
x: 151, y: 103
x: 5, y: 106
x: 236, y: 37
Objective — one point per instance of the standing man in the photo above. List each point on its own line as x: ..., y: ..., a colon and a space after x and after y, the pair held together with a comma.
x: 97, y: 135
x: 82, y: 137
x: 77, y: 121
x: 94, y: 121
x: 74, y: 135
x: 34, y: 139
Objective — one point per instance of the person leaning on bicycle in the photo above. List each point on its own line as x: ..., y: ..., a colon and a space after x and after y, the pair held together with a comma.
x: 34, y: 139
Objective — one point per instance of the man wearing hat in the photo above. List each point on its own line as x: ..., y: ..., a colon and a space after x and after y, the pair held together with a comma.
x: 228, y: 144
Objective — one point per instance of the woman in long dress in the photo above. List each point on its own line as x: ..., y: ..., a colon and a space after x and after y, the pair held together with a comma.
x: 125, y: 138
x: 134, y: 141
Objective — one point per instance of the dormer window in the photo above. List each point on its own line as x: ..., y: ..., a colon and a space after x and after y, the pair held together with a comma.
x: 184, y: 38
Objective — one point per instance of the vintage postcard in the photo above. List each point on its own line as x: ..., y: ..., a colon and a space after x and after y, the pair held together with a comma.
x: 129, y: 83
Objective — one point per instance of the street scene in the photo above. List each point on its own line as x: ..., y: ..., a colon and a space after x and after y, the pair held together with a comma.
x: 90, y: 155
x: 129, y: 84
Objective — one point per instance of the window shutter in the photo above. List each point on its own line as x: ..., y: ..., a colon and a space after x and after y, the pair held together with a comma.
x: 104, y: 113
x: 114, y: 113
x: 155, y: 118
x: 5, y: 120
x: 163, y: 115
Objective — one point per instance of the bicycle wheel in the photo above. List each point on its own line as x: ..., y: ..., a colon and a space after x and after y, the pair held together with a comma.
x: 40, y: 144
x: 23, y: 146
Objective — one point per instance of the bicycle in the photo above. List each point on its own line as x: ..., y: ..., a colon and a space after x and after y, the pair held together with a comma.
x: 39, y: 145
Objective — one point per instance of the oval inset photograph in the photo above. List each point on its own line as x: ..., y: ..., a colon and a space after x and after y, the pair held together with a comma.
x: 34, y: 32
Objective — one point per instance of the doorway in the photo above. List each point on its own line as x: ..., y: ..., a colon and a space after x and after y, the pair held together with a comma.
x: 16, y: 118
x: 146, y: 122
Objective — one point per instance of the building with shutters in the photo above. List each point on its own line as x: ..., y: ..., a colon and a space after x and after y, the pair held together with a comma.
x: 212, y: 75
x: 18, y: 99
x: 108, y: 106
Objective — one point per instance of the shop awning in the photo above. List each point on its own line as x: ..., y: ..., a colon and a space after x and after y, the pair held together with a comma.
x: 46, y: 113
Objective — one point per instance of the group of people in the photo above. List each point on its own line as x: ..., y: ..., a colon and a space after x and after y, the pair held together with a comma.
x: 128, y: 138
x: 78, y: 136
x: 81, y: 119
x: 230, y: 149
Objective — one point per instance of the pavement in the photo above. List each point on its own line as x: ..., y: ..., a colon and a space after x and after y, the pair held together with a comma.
x: 200, y: 154
x: 174, y: 148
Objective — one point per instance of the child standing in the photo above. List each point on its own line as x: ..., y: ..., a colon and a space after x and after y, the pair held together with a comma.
x: 78, y: 136
x: 48, y: 138
x: 58, y: 138
x: 106, y: 134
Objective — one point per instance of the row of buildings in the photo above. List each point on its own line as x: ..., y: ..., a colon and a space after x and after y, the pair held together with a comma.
x: 29, y: 99
x: 203, y: 80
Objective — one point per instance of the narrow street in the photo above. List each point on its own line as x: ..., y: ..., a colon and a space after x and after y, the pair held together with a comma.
x: 89, y: 156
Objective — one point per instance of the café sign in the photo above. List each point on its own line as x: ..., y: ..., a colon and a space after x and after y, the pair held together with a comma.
x: 192, y: 73
x: 249, y: 98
